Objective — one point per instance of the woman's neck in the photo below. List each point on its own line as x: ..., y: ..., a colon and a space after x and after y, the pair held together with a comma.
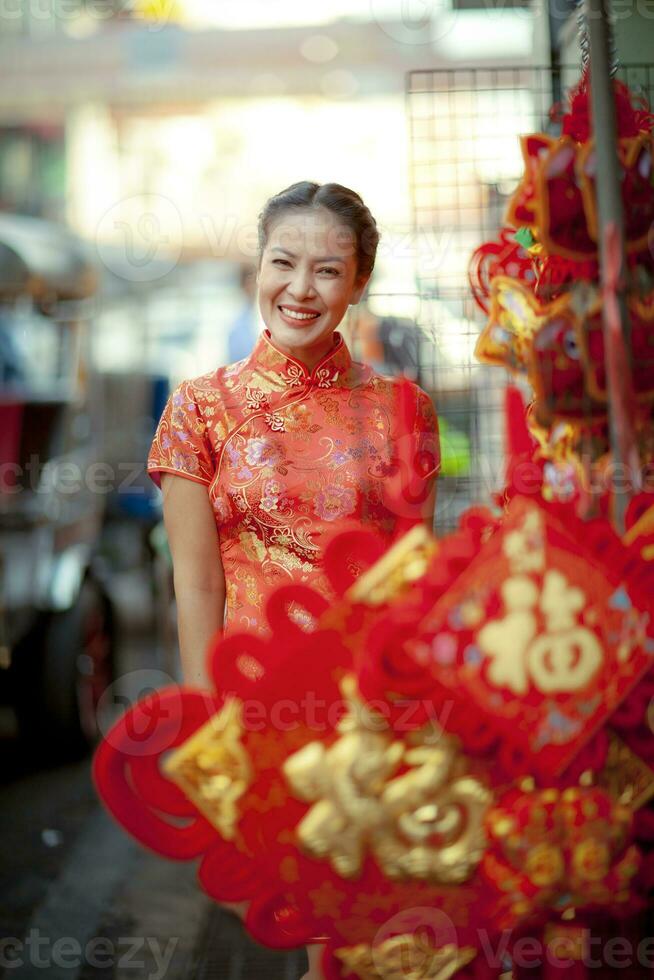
x: 309, y: 356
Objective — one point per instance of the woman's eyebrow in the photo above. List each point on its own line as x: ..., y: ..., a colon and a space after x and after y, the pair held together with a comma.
x: 292, y: 255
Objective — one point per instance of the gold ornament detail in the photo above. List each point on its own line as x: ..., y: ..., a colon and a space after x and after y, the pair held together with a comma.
x: 569, y: 845
x: 213, y: 769
x: 427, y: 823
x: 402, y: 565
x: 625, y: 775
x: 515, y: 318
x: 566, y: 655
x: 404, y: 957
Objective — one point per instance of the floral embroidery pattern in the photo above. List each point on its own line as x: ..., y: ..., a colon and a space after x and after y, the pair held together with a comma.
x: 271, y: 492
x: 255, y: 399
x: 286, y: 454
x: 185, y: 462
x: 325, y: 379
x: 220, y: 509
x: 260, y: 452
x: 335, y: 502
x: 275, y: 421
x: 294, y: 375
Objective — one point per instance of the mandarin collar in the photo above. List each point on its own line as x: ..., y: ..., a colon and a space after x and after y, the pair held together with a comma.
x: 330, y: 371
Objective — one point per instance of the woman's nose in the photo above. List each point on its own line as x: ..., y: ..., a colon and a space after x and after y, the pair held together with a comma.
x: 301, y: 284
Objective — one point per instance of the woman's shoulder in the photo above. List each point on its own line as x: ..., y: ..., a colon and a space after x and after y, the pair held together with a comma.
x: 387, y: 384
x: 218, y: 375
x: 202, y: 389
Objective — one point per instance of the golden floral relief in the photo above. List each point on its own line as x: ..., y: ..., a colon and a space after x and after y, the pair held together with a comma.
x: 625, y: 775
x: 562, y: 658
x: 213, y: 769
x: 405, y: 957
x: 525, y: 546
x: 426, y: 823
x: 567, y: 848
x: 404, y: 563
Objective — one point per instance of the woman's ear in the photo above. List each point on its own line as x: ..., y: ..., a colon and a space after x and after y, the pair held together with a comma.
x: 359, y: 289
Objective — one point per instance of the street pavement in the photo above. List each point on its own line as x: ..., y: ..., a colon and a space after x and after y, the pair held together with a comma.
x: 80, y: 900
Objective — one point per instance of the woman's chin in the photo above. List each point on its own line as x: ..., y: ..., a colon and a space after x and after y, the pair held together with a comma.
x: 300, y: 336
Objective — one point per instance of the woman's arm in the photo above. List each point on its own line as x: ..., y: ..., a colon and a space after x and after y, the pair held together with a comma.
x: 430, y: 508
x: 198, y: 574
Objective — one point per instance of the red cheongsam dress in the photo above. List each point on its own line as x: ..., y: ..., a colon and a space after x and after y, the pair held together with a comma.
x: 288, y: 457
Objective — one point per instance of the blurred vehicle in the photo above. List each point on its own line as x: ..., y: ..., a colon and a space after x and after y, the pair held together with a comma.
x: 56, y: 620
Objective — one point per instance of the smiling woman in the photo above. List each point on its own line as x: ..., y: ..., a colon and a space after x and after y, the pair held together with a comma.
x: 318, y: 246
x: 294, y: 441
x: 280, y: 450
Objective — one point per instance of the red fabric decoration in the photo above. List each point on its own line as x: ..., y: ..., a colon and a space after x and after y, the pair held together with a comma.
x: 412, y: 657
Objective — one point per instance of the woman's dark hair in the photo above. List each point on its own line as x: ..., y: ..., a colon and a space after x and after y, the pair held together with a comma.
x: 340, y: 201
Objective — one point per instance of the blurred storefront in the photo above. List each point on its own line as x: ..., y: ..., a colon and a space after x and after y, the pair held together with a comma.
x: 168, y: 124
x: 177, y: 120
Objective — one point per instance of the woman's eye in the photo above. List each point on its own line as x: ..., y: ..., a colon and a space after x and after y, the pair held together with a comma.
x: 281, y: 262
x: 333, y: 272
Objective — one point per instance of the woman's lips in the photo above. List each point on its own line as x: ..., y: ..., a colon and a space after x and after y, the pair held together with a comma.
x: 302, y: 315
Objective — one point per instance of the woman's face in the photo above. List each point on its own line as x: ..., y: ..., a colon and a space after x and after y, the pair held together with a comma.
x: 307, y: 279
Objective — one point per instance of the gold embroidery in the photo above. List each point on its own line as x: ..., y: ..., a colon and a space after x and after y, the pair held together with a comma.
x: 288, y: 560
x: 326, y: 900
x: 295, y: 376
x: 213, y: 769
x: 567, y: 654
x: 426, y: 823
x: 565, y: 848
x: 563, y: 658
x: 406, y: 957
x: 255, y: 399
x: 525, y: 547
x: 324, y: 377
x: 403, y: 564
x: 625, y: 775
x: 253, y: 547
x: 275, y: 421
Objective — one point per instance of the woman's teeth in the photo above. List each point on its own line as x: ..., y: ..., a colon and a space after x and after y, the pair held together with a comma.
x: 298, y: 316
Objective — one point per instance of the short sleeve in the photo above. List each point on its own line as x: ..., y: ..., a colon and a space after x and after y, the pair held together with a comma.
x: 426, y: 432
x: 181, y: 444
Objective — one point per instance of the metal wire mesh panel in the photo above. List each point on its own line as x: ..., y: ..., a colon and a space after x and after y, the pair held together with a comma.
x: 465, y: 164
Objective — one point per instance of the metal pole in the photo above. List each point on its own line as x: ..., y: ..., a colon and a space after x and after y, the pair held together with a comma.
x: 612, y: 258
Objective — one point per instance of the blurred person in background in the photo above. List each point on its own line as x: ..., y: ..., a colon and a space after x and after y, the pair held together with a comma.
x: 244, y: 330
x: 389, y: 344
x: 12, y: 364
x: 279, y: 451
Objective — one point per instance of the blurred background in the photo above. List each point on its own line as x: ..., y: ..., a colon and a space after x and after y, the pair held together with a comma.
x: 139, y: 140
